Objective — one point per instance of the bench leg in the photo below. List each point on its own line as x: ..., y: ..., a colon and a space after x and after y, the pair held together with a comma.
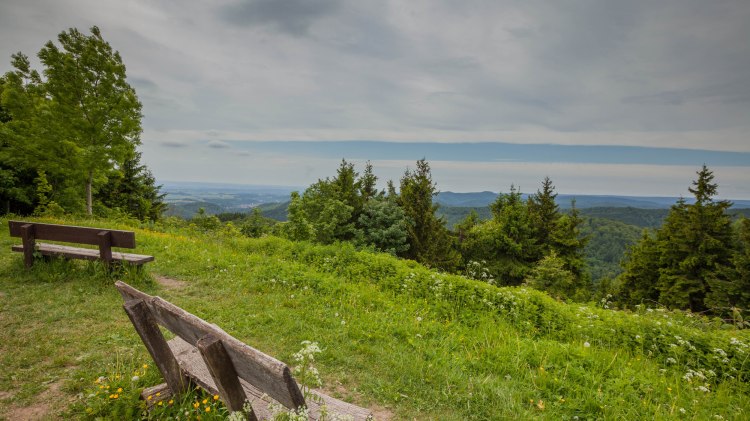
x: 105, y: 247
x: 223, y: 372
x: 157, y: 346
x: 27, y: 236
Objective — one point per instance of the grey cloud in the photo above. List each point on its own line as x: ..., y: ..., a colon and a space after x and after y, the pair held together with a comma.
x: 173, y: 144
x: 218, y: 144
x: 291, y: 16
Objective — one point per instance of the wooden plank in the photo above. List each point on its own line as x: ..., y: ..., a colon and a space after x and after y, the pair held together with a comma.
x: 105, y: 246
x: 29, y: 243
x: 223, y: 373
x: 160, y: 392
x: 88, y: 254
x: 193, y: 365
x: 73, y: 234
x: 259, y: 369
x: 144, y: 323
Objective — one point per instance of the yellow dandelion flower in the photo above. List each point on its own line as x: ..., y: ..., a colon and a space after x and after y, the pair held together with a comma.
x: 196, y: 405
x: 540, y: 404
x: 161, y: 403
x: 205, y: 401
x: 145, y: 365
x: 115, y: 396
x: 119, y: 390
x: 216, y: 397
x: 158, y: 393
x: 101, y: 386
x: 149, y: 397
x: 171, y: 401
x: 208, y: 409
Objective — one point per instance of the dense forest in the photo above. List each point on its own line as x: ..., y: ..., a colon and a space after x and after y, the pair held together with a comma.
x: 69, y: 138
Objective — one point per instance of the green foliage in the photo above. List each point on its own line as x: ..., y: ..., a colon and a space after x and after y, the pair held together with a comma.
x: 550, y: 275
x: 730, y: 289
x: 692, y: 252
x: 544, y: 215
x: 133, y: 190
x: 256, y: 225
x: 523, y: 233
x: 85, y: 80
x: 608, y: 240
x: 506, y: 242
x: 80, y: 125
x: 204, y: 222
x: 640, y: 278
x: 383, y: 226
x: 429, y: 240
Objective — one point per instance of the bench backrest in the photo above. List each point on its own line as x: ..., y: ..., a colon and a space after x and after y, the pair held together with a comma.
x: 73, y: 234
x: 266, y: 373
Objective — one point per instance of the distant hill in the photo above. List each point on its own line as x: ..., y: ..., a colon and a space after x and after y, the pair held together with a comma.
x: 185, y: 198
x: 582, y: 201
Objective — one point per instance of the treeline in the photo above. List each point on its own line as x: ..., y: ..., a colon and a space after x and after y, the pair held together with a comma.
x: 69, y: 135
x: 526, y: 241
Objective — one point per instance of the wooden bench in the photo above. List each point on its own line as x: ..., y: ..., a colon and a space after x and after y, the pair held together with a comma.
x: 203, y: 354
x: 104, y: 238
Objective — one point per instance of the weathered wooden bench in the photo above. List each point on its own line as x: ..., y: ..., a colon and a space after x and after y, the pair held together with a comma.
x: 205, y: 355
x: 104, y: 238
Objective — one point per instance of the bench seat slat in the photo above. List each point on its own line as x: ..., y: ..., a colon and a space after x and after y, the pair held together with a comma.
x: 191, y: 362
x: 82, y: 253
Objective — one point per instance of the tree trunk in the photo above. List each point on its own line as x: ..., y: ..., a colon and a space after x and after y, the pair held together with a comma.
x: 89, y: 182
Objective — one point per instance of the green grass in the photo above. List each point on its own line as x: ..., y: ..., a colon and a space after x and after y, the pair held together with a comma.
x: 394, y: 335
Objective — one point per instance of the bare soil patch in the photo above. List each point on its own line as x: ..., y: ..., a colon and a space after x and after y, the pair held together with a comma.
x: 379, y: 413
x: 42, y: 407
x: 170, y: 283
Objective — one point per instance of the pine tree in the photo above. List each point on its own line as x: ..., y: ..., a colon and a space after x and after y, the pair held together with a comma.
x: 730, y: 287
x: 429, y: 240
x: 696, y: 246
x: 506, y: 242
x: 692, y: 252
x: 132, y: 189
x: 639, y: 281
x: 544, y: 215
x: 569, y: 244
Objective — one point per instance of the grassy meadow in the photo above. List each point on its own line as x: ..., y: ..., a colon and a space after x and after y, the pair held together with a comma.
x: 405, y: 341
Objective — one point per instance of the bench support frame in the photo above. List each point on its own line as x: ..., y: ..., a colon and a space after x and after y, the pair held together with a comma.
x: 144, y: 323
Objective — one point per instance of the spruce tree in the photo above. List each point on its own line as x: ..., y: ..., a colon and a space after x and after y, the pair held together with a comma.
x: 693, y: 251
x: 506, y: 243
x: 730, y: 287
x: 696, y: 246
x: 544, y: 214
x: 639, y: 281
x: 429, y: 240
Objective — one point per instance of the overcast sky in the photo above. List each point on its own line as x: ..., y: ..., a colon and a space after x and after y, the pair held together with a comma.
x: 647, y: 91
